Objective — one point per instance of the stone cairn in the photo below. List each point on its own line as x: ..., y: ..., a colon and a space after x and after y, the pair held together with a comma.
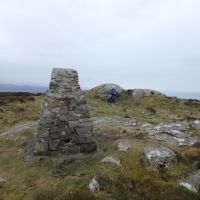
x: 65, y: 125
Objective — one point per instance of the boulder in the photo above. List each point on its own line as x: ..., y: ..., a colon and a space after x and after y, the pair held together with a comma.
x: 160, y: 157
x: 139, y: 93
x: 192, y: 183
x: 111, y: 159
x: 105, y: 88
x: 172, y: 133
x: 94, y: 185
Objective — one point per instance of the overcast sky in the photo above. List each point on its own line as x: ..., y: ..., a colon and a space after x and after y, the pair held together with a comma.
x: 134, y: 43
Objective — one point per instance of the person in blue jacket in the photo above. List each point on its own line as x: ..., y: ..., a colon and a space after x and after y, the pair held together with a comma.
x: 112, y: 95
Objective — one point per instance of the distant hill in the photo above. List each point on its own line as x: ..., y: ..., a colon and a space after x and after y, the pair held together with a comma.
x: 38, y: 89
x: 22, y: 88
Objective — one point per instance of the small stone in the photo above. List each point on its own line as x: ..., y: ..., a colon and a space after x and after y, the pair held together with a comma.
x: 111, y: 159
x: 123, y: 145
x: 130, y: 185
x: 94, y: 185
x: 188, y: 186
x: 192, y: 183
x: 2, y: 182
x: 160, y: 157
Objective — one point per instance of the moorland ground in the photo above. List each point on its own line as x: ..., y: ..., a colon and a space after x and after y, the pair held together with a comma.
x: 133, y: 179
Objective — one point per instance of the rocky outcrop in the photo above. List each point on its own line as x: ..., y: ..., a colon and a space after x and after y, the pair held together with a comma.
x: 65, y: 125
x: 105, y: 88
x: 172, y: 133
x: 192, y: 183
x: 113, y: 120
x: 160, y: 157
x: 19, y: 127
x: 139, y: 93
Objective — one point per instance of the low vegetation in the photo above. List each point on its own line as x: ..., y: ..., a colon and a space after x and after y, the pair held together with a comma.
x: 151, y: 109
x: 19, y: 107
x: 133, y: 179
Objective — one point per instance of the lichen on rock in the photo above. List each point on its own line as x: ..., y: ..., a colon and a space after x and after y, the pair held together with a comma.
x: 160, y: 157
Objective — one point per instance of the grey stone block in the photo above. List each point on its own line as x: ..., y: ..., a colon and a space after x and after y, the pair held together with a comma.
x: 83, y: 130
x: 88, y: 148
x: 53, y: 144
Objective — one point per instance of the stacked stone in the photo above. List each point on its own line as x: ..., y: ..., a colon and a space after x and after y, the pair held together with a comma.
x: 65, y: 125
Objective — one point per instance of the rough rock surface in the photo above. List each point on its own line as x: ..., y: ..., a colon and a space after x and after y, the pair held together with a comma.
x: 114, y: 120
x: 196, y: 124
x: 105, y: 88
x: 160, y: 157
x: 139, y: 93
x: 2, y: 182
x: 174, y: 133
x: 192, y: 183
x: 19, y: 127
x: 111, y: 159
x: 94, y: 185
x: 123, y: 145
x: 65, y: 125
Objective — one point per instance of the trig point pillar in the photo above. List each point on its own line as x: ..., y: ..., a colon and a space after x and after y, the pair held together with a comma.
x: 65, y: 125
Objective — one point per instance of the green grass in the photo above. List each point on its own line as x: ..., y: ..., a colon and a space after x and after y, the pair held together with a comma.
x: 167, y: 109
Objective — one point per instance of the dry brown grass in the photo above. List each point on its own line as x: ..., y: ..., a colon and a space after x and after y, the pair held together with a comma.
x: 13, y: 112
